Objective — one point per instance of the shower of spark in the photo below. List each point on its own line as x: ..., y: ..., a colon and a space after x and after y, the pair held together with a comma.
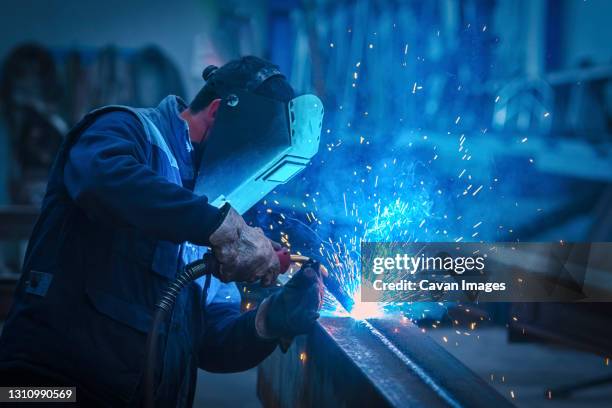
x: 406, y: 187
x: 394, y: 221
x: 396, y: 207
x: 393, y: 200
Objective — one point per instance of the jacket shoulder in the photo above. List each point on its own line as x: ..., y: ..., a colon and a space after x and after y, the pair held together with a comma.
x: 114, y: 119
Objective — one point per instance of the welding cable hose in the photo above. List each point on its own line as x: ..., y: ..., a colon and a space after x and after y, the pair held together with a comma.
x: 163, y: 310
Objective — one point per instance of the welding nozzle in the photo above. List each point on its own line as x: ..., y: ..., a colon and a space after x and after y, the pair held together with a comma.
x: 286, y: 258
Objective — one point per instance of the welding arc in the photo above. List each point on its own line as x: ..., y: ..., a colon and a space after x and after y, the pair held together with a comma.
x: 339, y: 293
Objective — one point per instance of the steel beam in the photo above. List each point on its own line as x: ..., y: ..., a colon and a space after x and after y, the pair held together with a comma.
x: 381, y: 363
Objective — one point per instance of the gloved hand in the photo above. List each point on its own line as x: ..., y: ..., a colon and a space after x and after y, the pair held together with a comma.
x: 244, y: 253
x: 295, y: 308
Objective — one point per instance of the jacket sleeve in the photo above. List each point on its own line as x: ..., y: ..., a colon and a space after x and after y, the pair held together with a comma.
x: 230, y: 342
x: 107, y: 175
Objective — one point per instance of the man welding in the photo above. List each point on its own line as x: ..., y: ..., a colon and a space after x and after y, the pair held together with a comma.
x: 118, y: 221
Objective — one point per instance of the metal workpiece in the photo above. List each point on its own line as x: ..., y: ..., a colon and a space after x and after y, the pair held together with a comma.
x: 443, y: 372
x: 379, y: 363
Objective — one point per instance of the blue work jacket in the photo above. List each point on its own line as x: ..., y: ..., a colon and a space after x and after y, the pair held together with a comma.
x: 118, y: 221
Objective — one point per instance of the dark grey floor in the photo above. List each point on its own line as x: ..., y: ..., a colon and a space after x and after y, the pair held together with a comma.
x: 528, y: 369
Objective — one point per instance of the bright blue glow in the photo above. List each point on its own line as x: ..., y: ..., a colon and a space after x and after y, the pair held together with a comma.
x: 409, y: 151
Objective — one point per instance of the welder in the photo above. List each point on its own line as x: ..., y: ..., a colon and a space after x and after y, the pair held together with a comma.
x: 120, y: 218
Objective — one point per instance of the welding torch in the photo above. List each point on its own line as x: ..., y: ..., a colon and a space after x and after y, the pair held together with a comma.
x: 286, y: 258
x: 163, y: 308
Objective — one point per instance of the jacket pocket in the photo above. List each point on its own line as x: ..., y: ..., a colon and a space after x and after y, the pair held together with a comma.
x: 133, y: 246
x: 112, y: 340
x: 136, y: 316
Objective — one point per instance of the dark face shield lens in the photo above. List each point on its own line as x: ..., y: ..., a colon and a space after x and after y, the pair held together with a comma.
x: 257, y: 144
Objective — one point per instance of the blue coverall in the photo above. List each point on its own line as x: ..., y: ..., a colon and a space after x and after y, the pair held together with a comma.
x: 118, y: 221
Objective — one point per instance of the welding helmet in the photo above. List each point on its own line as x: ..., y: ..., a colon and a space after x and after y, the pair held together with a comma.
x: 256, y: 142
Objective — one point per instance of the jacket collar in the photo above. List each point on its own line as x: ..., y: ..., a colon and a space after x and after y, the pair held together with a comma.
x: 166, y: 117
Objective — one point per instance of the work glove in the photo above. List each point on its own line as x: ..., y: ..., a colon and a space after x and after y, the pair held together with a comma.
x: 244, y: 253
x: 294, y: 309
